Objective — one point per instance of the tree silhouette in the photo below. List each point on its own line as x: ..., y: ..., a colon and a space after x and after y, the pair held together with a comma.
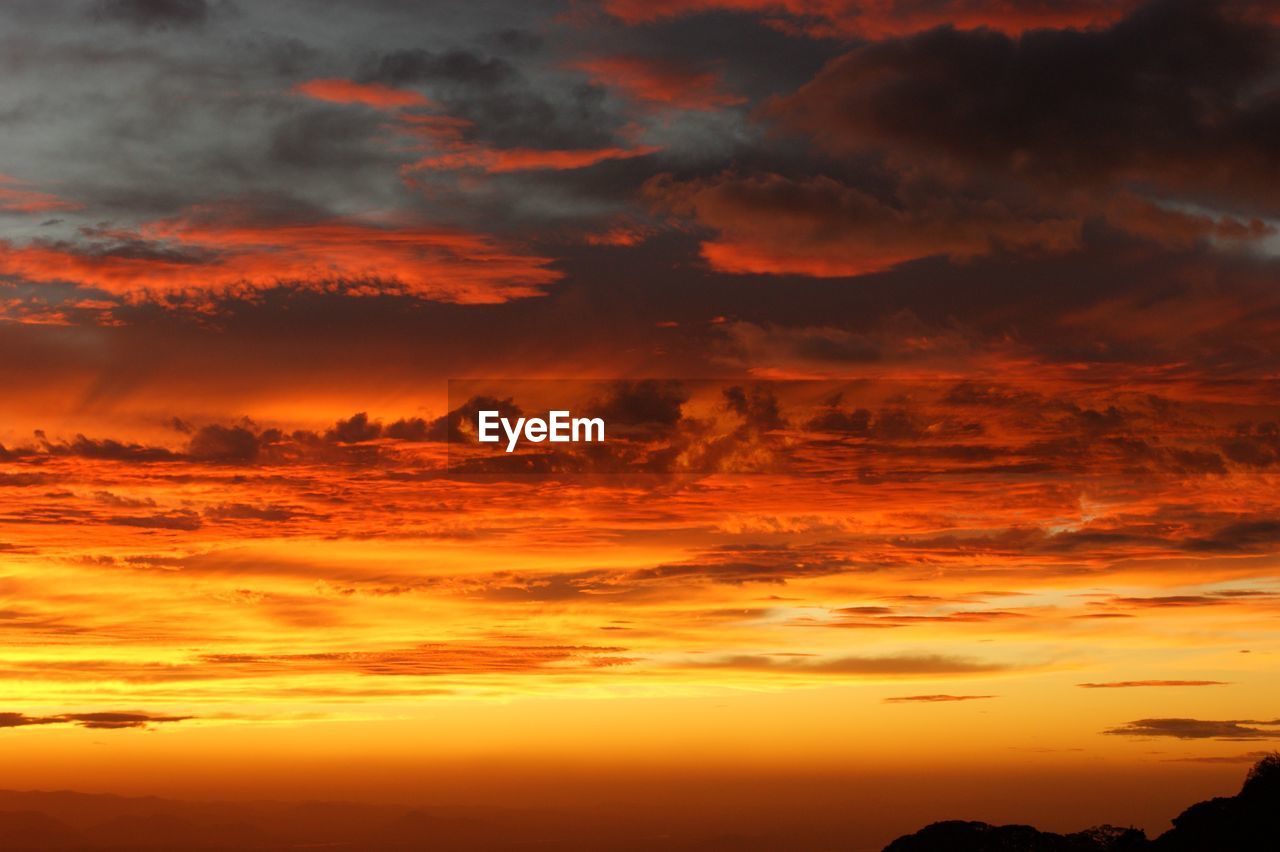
x: 1246, y: 822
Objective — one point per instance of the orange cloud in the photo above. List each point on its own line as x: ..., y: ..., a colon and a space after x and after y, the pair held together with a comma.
x: 339, y: 91
x: 206, y: 253
x: 625, y: 235
x: 500, y: 160
x: 770, y: 224
x: 443, y: 135
x: 659, y: 82
x: 828, y: 18
x: 15, y: 197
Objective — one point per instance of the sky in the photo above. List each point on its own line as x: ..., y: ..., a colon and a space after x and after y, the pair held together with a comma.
x: 938, y: 341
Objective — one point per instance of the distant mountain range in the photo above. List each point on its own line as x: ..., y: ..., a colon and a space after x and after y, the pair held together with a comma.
x: 82, y: 822
x: 1245, y: 822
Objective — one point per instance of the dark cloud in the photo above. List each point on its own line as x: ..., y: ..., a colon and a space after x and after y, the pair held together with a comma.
x: 153, y: 14
x: 114, y: 721
x: 408, y: 429
x: 115, y: 500
x: 966, y: 143
x: 1254, y: 536
x: 106, y: 449
x: 1255, y: 445
x: 769, y: 223
x: 841, y: 20
x: 183, y: 520
x: 25, y: 480
x: 752, y: 563
x: 355, y: 429
x: 458, y: 425
x: 453, y: 66
x: 1199, y: 729
x: 515, y: 117
x: 753, y: 57
x: 424, y: 660
x: 1180, y: 94
x: 757, y: 405
x: 319, y: 138
x: 1246, y: 757
x: 643, y: 403
x: 233, y: 444
x: 1177, y: 601
x: 244, y: 511
x: 99, y: 721
x: 515, y: 40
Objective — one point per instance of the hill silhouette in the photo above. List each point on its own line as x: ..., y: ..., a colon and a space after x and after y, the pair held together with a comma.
x: 1245, y: 822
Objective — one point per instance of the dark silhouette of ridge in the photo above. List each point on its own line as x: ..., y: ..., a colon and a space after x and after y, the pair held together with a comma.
x: 1246, y: 822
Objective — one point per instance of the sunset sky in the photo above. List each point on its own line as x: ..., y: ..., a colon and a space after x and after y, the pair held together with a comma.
x: 941, y: 339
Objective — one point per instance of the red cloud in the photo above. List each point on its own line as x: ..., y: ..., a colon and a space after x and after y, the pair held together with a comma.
x: 443, y: 135
x: 215, y: 254
x: 14, y: 196
x: 376, y: 95
x: 501, y: 160
x: 659, y: 82
x: 826, y: 18
x: 770, y: 224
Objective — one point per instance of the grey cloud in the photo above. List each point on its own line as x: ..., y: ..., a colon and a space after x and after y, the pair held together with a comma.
x: 152, y: 14
x: 1200, y: 729
x: 453, y: 66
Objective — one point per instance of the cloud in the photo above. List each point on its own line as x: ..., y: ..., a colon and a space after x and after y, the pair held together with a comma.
x: 490, y: 106
x: 1254, y: 536
x: 245, y: 511
x: 966, y: 144
x: 751, y: 563
x: 455, y: 65
x: 16, y: 196
x: 857, y: 18
x: 659, y: 82
x: 652, y: 403
x: 503, y: 160
x: 890, y: 666
x: 1246, y: 757
x: 98, y: 721
x: 768, y: 224
x: 106, y: 449
x: 1199, y: 729
x: 224, y: 251
x: 1254, y: 444
x: 1076, y: 110
x: 1125, y: 684
x: 901, y: 699
x: 355, y: 429
x: 183, y: 520
x: 442, y: 658
x: 219, y: 443
x: 376, y: 95
x: 109, y: 499
x: 1180, y: 601
x: 153, y: 14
